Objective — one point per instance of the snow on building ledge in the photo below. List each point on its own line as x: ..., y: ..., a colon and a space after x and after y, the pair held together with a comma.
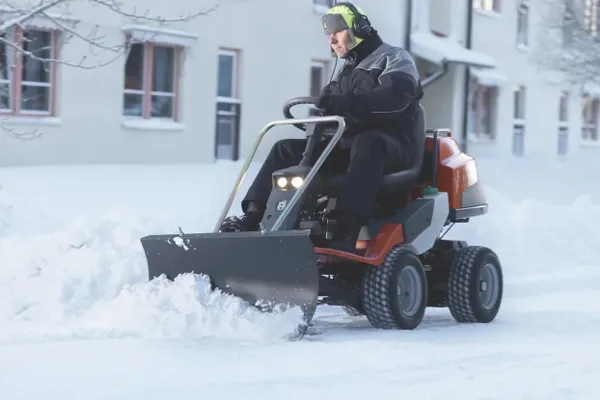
x: 142, y: 33
x: 444, y: 49
x: 439, y: 50
x: 489, y: 77
x: 43, y: 20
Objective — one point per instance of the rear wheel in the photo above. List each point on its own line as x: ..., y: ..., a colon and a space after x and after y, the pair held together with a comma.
x: 395, y: 293
x: 475, y: 285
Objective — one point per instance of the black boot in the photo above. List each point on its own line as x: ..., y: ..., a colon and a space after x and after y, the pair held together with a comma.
x: 247, y: 222
x: 250, y: 221
x: 346, y: 233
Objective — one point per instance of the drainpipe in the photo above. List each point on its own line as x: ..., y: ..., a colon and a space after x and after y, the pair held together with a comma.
x: 436, y: 75
x: 408, y: 25
x: 468, y: 45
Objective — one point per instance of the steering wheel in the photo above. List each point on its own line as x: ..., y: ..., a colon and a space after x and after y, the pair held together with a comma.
x: 303, y: 100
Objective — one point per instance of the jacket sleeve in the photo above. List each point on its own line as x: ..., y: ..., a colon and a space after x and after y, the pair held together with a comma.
x: 398, y: 88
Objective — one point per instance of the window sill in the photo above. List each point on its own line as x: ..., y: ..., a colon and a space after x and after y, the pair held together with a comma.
x: 523, y: 47
x: 29, y: 120
x: 488, y: 13
x: 156, y: 124
x: 481, y: 139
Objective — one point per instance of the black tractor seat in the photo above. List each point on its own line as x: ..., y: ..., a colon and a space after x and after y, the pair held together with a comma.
x: 396, y: 181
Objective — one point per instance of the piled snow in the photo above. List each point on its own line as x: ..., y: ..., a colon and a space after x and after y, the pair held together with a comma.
x: 79, y: 275
x: 71, y: 264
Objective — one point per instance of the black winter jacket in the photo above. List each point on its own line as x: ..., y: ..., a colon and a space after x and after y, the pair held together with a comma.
x: 384, y: 88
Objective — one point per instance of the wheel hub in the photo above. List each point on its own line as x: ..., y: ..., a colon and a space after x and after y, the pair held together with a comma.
x: 489, y: 286
x: 409, y: 290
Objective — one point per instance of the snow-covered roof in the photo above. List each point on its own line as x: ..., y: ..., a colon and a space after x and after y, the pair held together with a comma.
x: 438, y: 49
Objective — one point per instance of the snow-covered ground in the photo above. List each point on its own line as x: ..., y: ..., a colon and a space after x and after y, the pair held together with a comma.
x: 79, y: 321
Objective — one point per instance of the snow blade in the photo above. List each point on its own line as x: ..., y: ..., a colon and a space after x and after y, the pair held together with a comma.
x: 279, y: 268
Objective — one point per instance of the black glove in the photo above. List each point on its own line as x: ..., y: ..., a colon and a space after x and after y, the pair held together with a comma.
x: 334, y: 103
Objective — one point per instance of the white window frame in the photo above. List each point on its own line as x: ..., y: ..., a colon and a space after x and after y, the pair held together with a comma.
x: 488, y: 6
x: 519, y: 117
x: 233, y: 99
x: 522, y: 34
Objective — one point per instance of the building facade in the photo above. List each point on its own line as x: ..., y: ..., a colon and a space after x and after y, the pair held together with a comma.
x: 526, y: 110
x: 201, y: 90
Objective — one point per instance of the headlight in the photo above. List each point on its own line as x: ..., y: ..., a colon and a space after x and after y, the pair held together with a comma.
x: 282, y: 182
x: 297, y: 182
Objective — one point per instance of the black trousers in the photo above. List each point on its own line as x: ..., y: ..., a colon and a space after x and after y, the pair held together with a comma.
x: 372, y: 155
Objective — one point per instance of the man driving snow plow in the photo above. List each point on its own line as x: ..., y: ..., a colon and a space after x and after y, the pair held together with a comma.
x: 378, y: 175
x: 377, y: 92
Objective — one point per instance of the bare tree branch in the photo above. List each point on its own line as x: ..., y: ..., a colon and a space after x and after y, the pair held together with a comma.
x: 26, y: 14
x: 100, y: 52
x: 569, y: 40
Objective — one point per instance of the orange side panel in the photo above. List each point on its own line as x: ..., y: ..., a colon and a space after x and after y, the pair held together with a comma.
x: 388, y: 237
x: 457, y: 170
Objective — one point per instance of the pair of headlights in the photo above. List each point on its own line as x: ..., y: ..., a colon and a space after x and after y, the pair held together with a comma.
x: 296, y: 182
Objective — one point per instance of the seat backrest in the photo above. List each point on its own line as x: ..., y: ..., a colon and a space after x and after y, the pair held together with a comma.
x: 419, y: 135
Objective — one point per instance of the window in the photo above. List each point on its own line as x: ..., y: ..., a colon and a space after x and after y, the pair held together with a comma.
x: 519, y: 121
x: 482, y: 111
x: 487, y: 5
x: 519, y: 103
x: 589, y: 130
x: 27, y: 82
x: 318, y: 80
x: 590, y: 17
x: 563, y: 123
x: 228, y: 106
x: 518, y: 139
x: 563, y: 107
x: 152, y: 81
x: 523, y: 24
x: 563, y: 140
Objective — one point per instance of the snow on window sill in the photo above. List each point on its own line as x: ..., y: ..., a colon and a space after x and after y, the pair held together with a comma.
x: 488, y: 13
x: 29, y: 120
x: 170, y: 37
x: 156, y: 124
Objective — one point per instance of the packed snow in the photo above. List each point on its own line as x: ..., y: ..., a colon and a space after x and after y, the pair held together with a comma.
x: 79, y: 320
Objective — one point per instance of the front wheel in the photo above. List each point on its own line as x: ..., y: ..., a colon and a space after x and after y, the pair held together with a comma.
x: 395, y: 292
x: 475, y: 285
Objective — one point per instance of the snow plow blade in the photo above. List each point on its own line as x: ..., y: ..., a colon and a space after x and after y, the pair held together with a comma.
x: 279, y: 268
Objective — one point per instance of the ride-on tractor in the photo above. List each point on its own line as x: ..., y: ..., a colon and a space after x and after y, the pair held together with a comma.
x: 402, y: 264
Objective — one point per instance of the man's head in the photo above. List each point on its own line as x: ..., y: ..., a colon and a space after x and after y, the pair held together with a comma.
x: 347, y: 26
